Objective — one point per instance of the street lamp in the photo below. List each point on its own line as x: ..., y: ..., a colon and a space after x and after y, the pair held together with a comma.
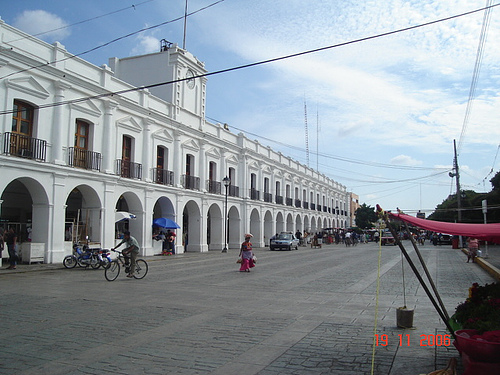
x: 226, y: 181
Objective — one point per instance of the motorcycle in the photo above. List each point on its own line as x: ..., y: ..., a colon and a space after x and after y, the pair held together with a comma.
x: 85, y: 257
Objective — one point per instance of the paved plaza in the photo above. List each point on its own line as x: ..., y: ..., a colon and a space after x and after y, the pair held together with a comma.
x: 311, y: 311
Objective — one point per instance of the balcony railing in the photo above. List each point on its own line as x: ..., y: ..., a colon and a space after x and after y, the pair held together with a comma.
x: 278, y: 199
x: 163, y: 176
x: 213, y: 187
x: 298, y: 203
x: 268, y: 197
x: 305, y: 205
x: 254, y: 194
x: 233, y: 191
x: 313, y: 206
x: 190, y: 182
x: 128, y: 169
x: 25, y: 147
x: 289, y: 201
x: 84, y: 159
x: 325, y: 209
x: 318, y: 207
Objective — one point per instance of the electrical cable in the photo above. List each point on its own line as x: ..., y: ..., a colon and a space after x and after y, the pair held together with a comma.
x: 475, y: 74
x: 83, y: 21
x: 113, y: 41
x: 262, y: 62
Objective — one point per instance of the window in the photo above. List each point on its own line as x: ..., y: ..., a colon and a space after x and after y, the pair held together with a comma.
x: 266, y: 185
x: 253, y: 181
x: 278, y: 188
x: 232, y: 176
x: 22, y: 118
x: 189, y: 164
x: 127, y: 148
x: 212, y: 171
x: 82, y: 135
x: 160, y: 158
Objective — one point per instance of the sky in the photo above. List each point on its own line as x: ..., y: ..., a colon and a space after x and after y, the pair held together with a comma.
x: 382, y: 112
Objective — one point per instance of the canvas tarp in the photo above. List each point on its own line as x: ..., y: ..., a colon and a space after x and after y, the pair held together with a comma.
x: 486, y: 232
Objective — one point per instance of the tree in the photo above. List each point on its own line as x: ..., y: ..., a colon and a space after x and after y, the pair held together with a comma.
x: 365, y: 216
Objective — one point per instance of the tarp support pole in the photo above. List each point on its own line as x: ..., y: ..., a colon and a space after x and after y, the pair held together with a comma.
x: 384, y: 216
x: 427, y: 273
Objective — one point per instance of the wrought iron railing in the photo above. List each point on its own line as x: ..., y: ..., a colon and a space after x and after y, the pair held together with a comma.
x: 313, y: 206
x: 190, y: 182
x: 268, y: 197
x: 214, y: 187
x: 163, y: 176
x: 254, y: 194
x: 234, y: 191
x: 25, y: 147
x: 298, y: 203
x: 84, y: 159
x: 289, y: 201
x: 128, y: 169
x: 305, y: 205
x: 278, y: 199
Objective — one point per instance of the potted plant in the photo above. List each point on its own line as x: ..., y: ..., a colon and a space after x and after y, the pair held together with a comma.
x: 479, y: 339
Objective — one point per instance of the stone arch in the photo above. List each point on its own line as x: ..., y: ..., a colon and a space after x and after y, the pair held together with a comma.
x: 83, y: 215
x: 191, y: 227
x: 25, y: 202
x: 268, y: 227
x: 234, y: 228
x: 215, y: 228
x: 280, y: 223
x: 289, y: 223
x: 130, y: 202
x: 255, y: 226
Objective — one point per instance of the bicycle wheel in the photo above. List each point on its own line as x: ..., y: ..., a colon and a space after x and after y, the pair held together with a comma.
x: 141, y: 269
x: 112, y: 272
x: 70, y: 261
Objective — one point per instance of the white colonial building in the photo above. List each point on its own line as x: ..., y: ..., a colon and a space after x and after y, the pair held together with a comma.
x: 81, y: 142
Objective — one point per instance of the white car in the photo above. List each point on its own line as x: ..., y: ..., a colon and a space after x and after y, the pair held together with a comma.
x: 284, y: 241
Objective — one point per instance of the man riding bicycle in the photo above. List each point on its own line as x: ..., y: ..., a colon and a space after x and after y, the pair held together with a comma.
x: 130, y: 253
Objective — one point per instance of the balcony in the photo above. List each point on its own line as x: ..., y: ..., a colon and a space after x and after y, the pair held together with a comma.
x: 289, y: 201
x: 190, y: 182
x: 85, y: 159
x: 25, y: 147
x: 278, y: 199
x: 325, y: 209
x: 298, y: 203
x: 128, y: 169
x: 313, y: 206
x: 213, y: 187
x: 318, y: 207
x: 233, y: 191
x: 254, y: 194
x: 305, y: 205
x: 163, y: 176
x: 268, y: 197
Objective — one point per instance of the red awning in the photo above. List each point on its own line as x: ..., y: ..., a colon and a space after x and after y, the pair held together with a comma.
x: 486, y: 232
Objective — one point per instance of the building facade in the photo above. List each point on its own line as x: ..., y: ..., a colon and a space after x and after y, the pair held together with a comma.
x: 81, y: 143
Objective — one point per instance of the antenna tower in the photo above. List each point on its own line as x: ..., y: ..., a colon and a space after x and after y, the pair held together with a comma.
x: 307, y: 132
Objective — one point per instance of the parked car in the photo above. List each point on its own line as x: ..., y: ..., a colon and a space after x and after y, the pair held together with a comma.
x: 442, y: 239
x: 284, y: 241
x: 387, y: 238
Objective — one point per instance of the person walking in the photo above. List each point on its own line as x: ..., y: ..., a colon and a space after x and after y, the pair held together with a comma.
x: 11, y: 241
x: 130, y: 253
x: 246, y: 254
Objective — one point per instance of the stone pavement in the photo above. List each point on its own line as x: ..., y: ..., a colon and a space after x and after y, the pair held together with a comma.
x: 310, y: 311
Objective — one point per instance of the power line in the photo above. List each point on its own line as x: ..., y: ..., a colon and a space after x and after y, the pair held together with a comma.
x: 227, y: 70
x: 133, y: 6
x: 477, y: 69
x: 113, y: 41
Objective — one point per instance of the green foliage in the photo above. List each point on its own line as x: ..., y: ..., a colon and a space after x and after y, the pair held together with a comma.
x: 366, y: 216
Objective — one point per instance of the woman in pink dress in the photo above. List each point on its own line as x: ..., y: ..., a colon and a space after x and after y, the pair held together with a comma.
x: 246, y: 254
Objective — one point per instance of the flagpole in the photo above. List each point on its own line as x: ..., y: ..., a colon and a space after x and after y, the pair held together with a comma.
x: 185, y: 25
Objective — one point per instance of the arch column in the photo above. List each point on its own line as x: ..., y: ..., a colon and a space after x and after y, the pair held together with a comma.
x: 109, y: 137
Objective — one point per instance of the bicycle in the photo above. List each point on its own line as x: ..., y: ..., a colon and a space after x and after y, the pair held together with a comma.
x: 113, y: 270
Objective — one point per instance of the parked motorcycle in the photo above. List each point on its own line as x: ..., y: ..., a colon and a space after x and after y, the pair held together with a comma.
x: 85, y: 257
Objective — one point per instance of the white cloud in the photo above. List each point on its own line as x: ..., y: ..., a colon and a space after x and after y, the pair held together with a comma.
x: 146, y: 44
x: 405, y: 160
x: 35, y: 22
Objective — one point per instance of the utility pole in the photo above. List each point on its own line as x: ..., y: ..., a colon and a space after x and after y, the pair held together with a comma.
x: 459, y: 193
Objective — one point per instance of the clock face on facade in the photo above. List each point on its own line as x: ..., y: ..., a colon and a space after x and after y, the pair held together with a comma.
x: 190, y: 79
